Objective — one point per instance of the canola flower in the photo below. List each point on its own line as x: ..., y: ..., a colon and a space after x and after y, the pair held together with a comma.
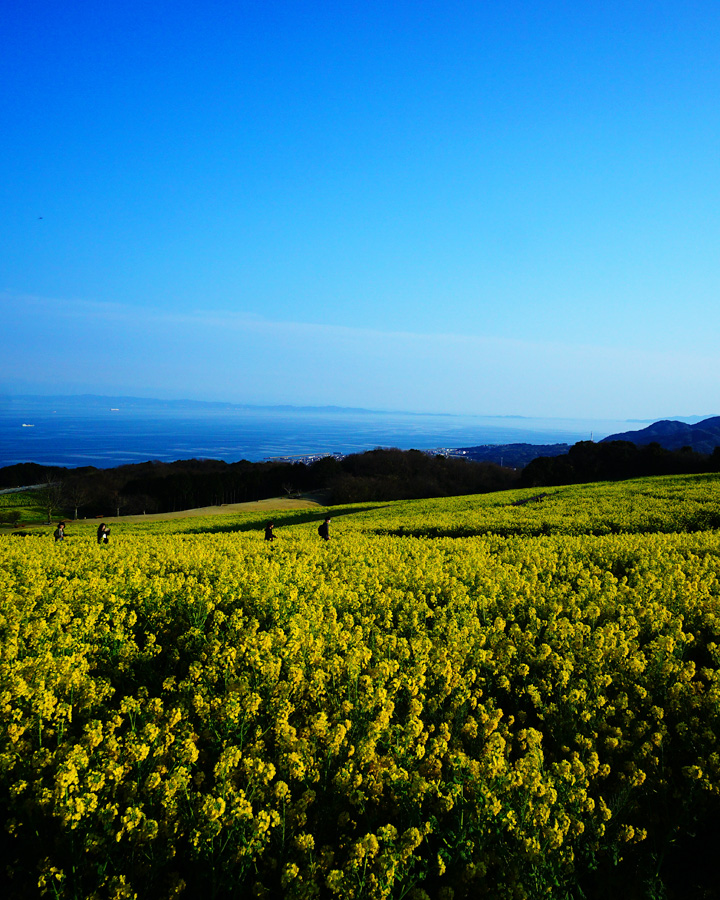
x: 380, y: 717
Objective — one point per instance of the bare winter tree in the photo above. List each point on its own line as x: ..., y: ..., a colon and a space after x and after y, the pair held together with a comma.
x: 119, y: 502
x: 50, y: 496
x: 75, y: 494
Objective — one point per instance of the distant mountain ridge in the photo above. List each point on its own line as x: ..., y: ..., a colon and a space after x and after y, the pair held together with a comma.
x: 702, y: 437
x: 103, y: 401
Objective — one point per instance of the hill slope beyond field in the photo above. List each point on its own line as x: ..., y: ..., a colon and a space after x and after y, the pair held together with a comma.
x: 703, y: 436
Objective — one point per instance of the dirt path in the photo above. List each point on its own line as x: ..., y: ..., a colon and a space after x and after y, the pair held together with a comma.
x: 270, y: 505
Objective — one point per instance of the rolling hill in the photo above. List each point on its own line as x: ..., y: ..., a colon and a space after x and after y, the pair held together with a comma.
x: 702, y: 437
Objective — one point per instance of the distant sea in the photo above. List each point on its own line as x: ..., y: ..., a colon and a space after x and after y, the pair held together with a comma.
x: 107, y: 431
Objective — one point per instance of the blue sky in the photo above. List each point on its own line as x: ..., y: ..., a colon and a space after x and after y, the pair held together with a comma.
x: 491, y: 208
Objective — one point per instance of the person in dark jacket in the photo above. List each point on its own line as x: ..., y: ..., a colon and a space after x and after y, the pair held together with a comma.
x: 60, y: 532
x: 102, y: 533
x: 324, y: 530
x: 269, y: 533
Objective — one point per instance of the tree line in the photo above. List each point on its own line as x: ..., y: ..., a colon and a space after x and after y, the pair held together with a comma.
x: 167, y: 487
x: 615, y: 461
x: 374, y: 475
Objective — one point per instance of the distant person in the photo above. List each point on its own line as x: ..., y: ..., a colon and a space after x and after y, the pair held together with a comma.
x: 324, y: 530
x: 269, y: 531
x: 103, y: 534
x: 59, y: 534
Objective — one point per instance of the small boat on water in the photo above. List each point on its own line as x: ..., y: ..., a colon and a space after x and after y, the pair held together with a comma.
x: 27, y: 426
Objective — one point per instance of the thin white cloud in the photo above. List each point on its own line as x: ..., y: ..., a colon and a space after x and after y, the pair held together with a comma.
x: 41, y: 309
x: 218, y: 354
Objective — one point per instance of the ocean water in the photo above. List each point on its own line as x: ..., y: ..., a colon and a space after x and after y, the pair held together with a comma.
x: 107, y: 432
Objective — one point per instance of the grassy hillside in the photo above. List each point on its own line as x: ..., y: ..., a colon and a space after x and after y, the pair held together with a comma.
x: 509, y: 695
x: 20, y: 508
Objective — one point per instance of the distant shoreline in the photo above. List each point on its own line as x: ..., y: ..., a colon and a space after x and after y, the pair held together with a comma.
x: 108, y: 435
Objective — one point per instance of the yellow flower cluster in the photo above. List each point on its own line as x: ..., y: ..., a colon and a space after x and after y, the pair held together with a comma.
x: 372, y: 717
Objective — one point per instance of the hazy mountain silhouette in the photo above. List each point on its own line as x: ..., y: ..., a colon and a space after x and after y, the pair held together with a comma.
x: 703, y: 436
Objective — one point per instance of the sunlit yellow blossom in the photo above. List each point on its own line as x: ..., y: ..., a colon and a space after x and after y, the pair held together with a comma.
x: 515, y: 687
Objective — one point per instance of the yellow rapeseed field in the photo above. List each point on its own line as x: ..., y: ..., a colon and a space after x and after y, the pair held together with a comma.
x: 488, y: 696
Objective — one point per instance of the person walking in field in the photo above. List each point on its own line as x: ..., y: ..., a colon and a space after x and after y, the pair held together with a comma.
x: 103, y: 533
x: 324, y: 530
x: 269, y: 533
x: 59, y: 534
